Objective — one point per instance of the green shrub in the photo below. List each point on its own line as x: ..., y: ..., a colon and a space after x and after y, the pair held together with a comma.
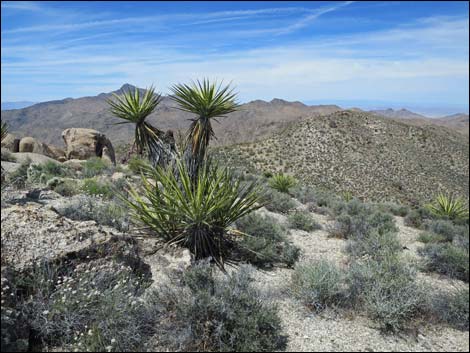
x: 265, y: 242
x: 83, y: 208
x: 302, y: 220
x: 319, y: 285
x: 67, y: 188
x: 194, y: 214
x: 304, y: 194
x: 279, y: 202
x: 387, y: 291
x: 374, y: 244
x: 426, y: 237
x: 92, y: 186
x: 446, y: 228
x: 416, y: 218
x: 395, y: 209
x: 19, y: 178
x: 282, y: 183
x: 88, y: 307
x: 95, y: 166
x: 452, y: 308
x: 446, y: 259
x: 359, y: 223
x: 138, y: 164
x: 204, y: 313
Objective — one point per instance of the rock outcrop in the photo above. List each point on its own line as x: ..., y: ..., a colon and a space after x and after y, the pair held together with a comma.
x: 31, y: 145
x: 86, y: 143
x: 11, y: 143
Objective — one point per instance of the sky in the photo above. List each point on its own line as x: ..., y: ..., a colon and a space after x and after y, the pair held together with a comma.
x: 365, y: 54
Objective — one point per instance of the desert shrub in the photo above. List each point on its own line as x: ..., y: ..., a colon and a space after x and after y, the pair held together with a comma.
x: 387, y: 291
x: 67, y: 188
x: 374, y: 244
x: 302, y: 220
x: 196, y: 214
x: 429, y: 237
x: 265, y: 242
x: 137, y: 164
x: 358, y: 222
x: 282, y: 182
x: 452, y: 308
x: 48, y: 170
x: 204, y: 313
x: 446, y: 229
x: 105, y: 213
x: 95, y: 166
x: 279, y: 202
x: 448, y: 206
x: 319, y: 285
x: 95, y: 187
x: 447, y: 259
x: 312, y: 207
x: 304, y: 194
x: 352, y: 208
x: 95, y: 306
x: 267, y: 174
x: 19, y: 178
x: 395, y: 209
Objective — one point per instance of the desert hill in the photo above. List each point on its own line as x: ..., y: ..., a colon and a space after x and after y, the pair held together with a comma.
x: 371, y: 156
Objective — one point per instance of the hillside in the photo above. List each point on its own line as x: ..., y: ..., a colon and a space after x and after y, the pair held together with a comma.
x: 256, y: 119
x: 373, y: 157
x: 458, y: 122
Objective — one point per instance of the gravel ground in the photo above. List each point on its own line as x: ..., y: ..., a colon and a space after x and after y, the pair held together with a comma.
x: 341, y: 332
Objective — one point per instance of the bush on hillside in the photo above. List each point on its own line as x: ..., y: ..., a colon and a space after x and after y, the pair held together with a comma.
x: 302, y: 220
x: 265, y: 243
x: 203, y: 313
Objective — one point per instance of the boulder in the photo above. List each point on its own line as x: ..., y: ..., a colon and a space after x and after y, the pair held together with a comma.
x: 54, y: 152
x: 86, y: 143
x: 30, y: 145
x: 11, y: 143
x: 35, y: 158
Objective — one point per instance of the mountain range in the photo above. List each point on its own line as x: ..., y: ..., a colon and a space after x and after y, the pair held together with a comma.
x: 255, y: 120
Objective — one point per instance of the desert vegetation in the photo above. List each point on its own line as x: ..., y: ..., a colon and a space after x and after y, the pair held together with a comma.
x: 189, y: 252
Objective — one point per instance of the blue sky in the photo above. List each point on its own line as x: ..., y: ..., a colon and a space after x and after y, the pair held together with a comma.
x: 412, y: 54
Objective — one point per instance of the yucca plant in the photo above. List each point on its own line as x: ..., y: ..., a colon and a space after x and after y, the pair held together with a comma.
x: 134, y: 108
x: 207, y: 101
x: 3, y: 134
x: 195, y: 214
x: 282, y: 182
x: 448, y: 206
x: 4, y: 130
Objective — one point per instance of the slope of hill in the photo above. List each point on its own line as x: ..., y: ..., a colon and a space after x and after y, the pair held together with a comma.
x: 254, y: 120
x: 373, y: 157
x: 458, y: 122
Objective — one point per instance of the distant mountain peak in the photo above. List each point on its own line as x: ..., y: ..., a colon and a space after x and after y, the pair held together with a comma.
x: 127, y: 87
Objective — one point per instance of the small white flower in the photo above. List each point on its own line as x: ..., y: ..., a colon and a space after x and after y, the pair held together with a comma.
x: 45, y: 312
x: 113, y: 341
x: 90, y: 332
